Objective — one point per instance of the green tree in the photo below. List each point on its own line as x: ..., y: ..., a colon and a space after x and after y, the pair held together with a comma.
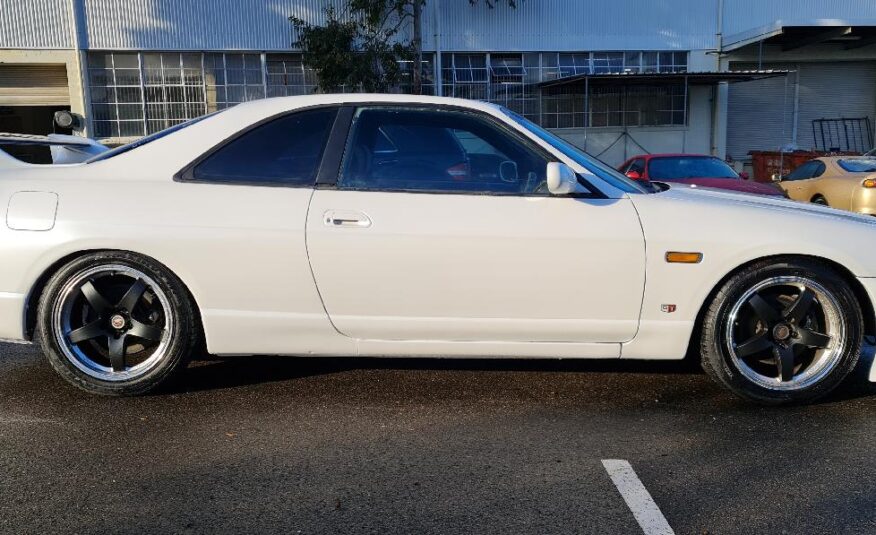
x: 363, y: 47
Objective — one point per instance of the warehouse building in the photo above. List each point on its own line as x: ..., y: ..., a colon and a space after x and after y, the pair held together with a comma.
x: 718, y: 76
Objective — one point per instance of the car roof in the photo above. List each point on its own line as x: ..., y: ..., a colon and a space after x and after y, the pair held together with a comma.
x: 677, y: 155
x: 301, y: 101
x: 669, y: 155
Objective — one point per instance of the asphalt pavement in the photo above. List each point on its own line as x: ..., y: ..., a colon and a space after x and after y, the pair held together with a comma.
x: 296, y: 445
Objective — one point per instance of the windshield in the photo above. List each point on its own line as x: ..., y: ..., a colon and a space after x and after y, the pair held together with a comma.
x: 682, y: 167
x: 860, y: 165
x: 594, y: 165
x: 148, y: 139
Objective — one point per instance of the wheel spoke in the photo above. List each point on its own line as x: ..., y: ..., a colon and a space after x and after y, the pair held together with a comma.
x: 116, y: 347
x: 132, y: 296
x: 97, y: 301
x: 764, y: 310
x: 87, y: 332
x: 798, y: 309
x: 755, y: 344
x: 811, y: 338
x: 784, y: 362
x: 146, y: 332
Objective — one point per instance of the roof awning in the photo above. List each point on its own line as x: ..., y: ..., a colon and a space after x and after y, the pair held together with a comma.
x: 636, y: 78
x: 791, y: 35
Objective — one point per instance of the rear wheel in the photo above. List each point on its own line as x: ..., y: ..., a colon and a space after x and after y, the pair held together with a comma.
x: 116, y: 323
x: 782, y: 332
x: 818, y: 199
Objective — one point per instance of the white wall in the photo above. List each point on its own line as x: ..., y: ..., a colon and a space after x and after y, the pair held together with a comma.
x: 696, y: 138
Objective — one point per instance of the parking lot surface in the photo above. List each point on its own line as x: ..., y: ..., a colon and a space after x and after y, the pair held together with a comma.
x: 258, y: 444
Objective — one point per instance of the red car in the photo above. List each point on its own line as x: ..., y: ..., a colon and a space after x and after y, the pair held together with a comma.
x: 699, y: 169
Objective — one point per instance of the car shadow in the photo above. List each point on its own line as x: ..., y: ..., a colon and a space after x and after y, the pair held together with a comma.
x: 858, y: 384
x: 211, y: 373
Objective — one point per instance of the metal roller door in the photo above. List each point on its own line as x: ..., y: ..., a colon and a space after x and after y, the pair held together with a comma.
x: 760, y: 113
x: 34, y: 85
x: 833, y: 91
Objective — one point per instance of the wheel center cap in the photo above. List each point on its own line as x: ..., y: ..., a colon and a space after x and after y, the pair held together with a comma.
x: 118, y: 321
x: 781, y: 332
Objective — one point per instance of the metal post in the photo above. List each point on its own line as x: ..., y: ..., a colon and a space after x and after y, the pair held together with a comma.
x: 587, y: 118
x: 142, y: 93
x: 438, y: 64
x: 204, y: 81
x: 264, y: 60
x: 685, y: 101
x: 80, y: 40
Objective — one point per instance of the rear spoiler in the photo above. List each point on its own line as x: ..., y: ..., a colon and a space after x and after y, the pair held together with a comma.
x: 65, y: 149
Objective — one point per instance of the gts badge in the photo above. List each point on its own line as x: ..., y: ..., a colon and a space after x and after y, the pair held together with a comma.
x: 669, y: 309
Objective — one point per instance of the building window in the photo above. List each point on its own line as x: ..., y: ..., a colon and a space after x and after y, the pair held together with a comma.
x: 116, y: 94
x: 427, y: 76
x: 509, y: 80
x: 174, y: 85
x: 657, y: 105
x: 466, y: 76
x: 287, y: 76
x: 133, y: 94
x: 572, y: 64
x: 232, y: 78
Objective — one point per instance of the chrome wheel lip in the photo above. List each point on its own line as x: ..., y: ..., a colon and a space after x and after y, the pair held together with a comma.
x: 822, y: 364
x: 61, y: 314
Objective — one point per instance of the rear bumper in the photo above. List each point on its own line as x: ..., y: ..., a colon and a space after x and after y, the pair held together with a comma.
x: 12, y: 316
x: 864, y: 201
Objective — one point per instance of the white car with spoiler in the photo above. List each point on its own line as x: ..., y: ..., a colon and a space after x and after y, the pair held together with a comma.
x: 387, y: 225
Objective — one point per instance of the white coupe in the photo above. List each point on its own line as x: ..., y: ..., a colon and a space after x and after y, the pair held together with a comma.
x: 386, y: 225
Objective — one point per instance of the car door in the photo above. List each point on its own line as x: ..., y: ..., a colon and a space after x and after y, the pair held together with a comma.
x: 462, y: 242
x: 251, y: 194
x: 799, y: 183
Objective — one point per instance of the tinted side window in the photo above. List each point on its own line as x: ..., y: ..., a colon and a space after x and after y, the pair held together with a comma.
x: 638, y: 166
x: 403, y: 149
x: 285, y: 151
x: 803, y: 172
x: 819, y: 169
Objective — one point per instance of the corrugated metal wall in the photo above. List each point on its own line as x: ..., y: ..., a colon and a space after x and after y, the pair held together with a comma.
x: 534, y: 25
x: 579, y: 25
x: 36, y: 24
x: 197, y: 24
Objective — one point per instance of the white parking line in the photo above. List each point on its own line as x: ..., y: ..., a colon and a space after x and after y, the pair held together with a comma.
x: 638, y: 498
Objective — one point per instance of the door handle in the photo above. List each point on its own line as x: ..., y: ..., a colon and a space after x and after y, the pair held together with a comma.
x: 345, y: 218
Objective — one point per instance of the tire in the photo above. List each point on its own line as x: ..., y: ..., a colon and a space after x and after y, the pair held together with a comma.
x: 818, y: 199
x: 782, y: 331
x: 116, y: 324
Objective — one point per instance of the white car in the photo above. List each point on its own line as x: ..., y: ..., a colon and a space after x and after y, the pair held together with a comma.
x: 386, y: 225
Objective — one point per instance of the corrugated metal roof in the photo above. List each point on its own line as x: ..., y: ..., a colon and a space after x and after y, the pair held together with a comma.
x: 36, y: 24
x: 694, y: 78
x: 744, y: 16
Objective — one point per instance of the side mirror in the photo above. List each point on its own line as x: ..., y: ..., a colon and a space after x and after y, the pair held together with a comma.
x: 776, y: 177
x: 561, y: 180
x: 744, y: 175
x: 635, y: 175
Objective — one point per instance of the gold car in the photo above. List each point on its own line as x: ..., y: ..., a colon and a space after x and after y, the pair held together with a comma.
x: 845, y: 182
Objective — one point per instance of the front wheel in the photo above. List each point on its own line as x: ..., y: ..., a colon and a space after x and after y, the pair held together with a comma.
x: 116, y: 323
x: 782, y: 332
